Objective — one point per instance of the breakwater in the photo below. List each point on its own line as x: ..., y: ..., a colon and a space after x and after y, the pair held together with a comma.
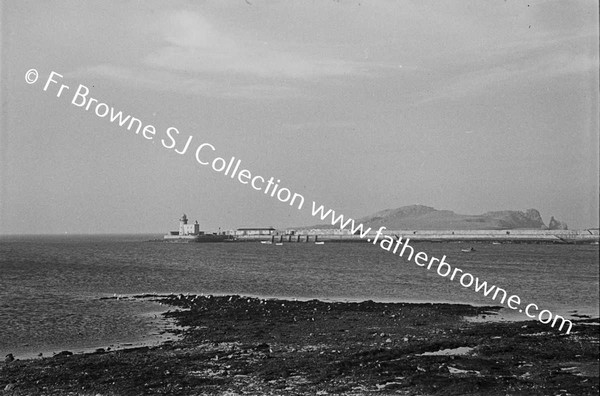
x: 503, y: 236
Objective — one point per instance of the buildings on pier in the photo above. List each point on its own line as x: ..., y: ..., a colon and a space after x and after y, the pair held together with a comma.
x: 192, y: 233
x: 186, y: 231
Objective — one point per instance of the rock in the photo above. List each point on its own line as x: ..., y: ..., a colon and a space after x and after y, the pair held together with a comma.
x: 263, y: 347
x: 534, y: 215
x: 556, y: 225
x: 9, y: 358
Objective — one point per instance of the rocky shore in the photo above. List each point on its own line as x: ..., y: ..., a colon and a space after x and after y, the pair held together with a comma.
x: 234, y: 345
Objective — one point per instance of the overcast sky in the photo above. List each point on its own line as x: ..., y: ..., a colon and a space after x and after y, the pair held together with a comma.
x: 470, y: 106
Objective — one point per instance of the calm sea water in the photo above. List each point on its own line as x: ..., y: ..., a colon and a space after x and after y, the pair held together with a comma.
x: 50, y: 286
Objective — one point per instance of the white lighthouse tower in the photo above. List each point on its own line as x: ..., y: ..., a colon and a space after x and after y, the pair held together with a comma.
x: 186, y: 231
x: 182, y: 225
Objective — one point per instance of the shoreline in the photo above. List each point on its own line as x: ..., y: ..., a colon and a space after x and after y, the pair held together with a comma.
x: 162, y: 333
x: 165, y: 329
x: 241, y: 344
x: 158, y: 329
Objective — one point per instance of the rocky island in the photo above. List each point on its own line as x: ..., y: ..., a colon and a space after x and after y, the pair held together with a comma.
x: 420, y: 217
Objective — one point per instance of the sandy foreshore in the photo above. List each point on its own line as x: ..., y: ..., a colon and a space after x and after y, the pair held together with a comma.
x: 238, y: 345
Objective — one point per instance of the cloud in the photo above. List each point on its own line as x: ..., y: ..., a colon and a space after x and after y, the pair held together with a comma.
x: 314, y: 125
x: 189, y: 54
x: 226, y: 52
x: 512, y: 67
x: 195, y: 45
x: 162, y: 80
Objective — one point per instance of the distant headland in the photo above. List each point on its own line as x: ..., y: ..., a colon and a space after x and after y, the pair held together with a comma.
x: 420, y: 217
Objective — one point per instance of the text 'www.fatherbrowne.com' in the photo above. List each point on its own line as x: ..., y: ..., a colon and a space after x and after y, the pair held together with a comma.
x: 401, y: 247
x: 204, y: 154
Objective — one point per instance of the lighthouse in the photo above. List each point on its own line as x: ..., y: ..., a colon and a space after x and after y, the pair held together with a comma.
x: 182, y: 223
x: 191, y: 233
x: 186, y: 231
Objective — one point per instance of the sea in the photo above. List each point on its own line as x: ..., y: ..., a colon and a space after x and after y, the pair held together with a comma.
x: 53, y: 289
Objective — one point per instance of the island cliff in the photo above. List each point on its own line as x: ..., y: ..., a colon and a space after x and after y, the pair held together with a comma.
x: 420, y: 217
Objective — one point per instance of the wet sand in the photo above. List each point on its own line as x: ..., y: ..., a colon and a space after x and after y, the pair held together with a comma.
x: 240, y: 345
x: 145, y: 326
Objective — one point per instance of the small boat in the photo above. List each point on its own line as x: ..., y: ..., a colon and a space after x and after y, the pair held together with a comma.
x: 266, y: 242
x: 469, y: 250
x: 496, y: 243
x: 319, y: 243
x: 278, y: 243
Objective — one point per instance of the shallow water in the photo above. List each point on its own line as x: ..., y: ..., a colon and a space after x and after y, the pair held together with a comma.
x: 50, y: 287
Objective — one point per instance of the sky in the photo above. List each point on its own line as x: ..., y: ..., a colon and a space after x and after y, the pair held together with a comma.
x: 467, y: 106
